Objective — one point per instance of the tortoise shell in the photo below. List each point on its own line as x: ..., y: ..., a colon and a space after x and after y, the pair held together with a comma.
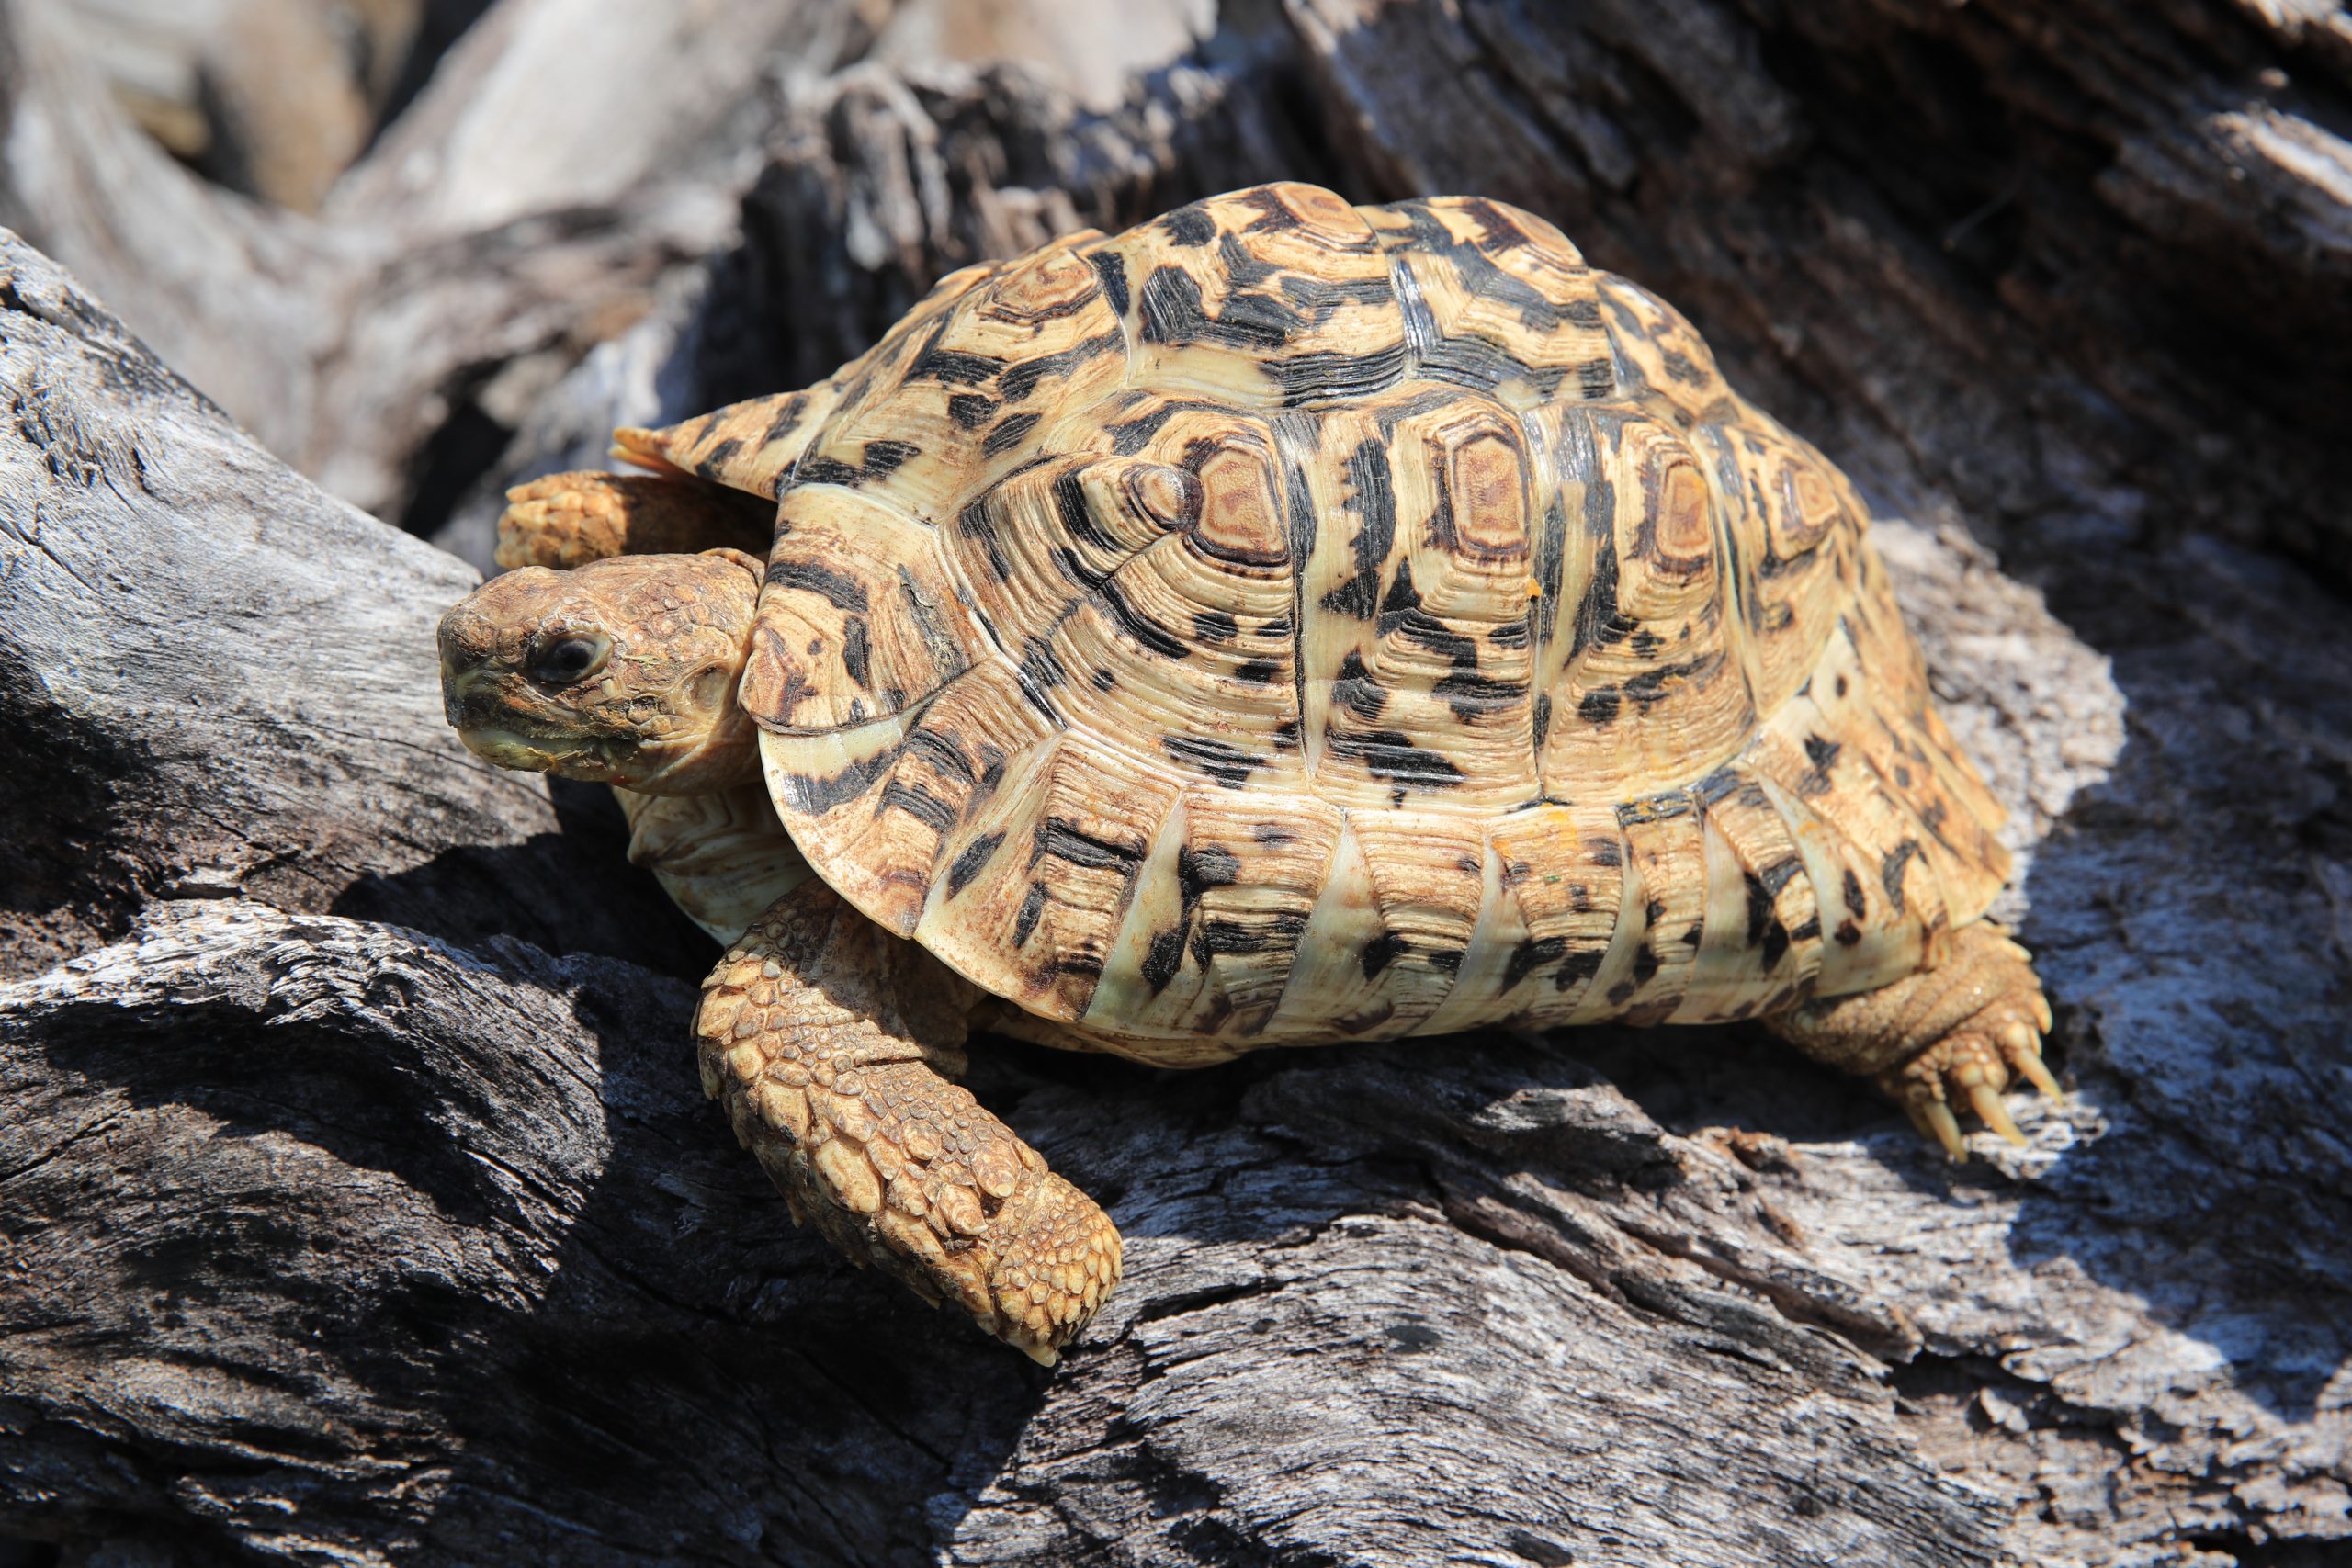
x: 1288, y: 621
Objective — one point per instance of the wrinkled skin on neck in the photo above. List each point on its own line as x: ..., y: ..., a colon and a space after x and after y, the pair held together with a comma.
x: 621, y: 671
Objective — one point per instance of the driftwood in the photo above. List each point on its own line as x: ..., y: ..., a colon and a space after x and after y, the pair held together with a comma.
x: 273, y: 98
x: 357, y: 1200
x: 510, y: 218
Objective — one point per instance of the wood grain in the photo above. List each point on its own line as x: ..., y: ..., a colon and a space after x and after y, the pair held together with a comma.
x: 399, y: 1230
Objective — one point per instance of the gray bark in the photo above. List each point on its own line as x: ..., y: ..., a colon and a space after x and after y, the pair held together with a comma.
x: 510, y: 218
x: 357, y: 1200
x: 2083, y: 264
x: 222, y: 681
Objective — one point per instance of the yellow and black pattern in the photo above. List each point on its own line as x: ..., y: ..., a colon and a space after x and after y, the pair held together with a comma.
x: 1289, y: 621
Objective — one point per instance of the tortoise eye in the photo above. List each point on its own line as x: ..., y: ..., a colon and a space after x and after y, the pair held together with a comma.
x: 568, y: 659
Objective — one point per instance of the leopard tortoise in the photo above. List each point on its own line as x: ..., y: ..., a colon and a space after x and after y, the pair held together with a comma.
x: 1283, y: 623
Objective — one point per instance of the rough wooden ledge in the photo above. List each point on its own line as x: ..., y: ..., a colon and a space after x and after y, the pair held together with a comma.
x: 328, y: 1238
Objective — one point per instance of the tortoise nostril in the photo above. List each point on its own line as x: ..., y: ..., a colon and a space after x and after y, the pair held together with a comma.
x: 465, y: 641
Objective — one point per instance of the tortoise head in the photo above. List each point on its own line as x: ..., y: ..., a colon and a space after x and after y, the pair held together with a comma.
x: 622, y: 670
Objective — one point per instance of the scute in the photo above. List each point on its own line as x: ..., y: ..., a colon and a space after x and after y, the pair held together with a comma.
x: 1289, y: 621
x: 1497, y: 301
x: 1653, y: 689
x: 756, y: 445
x: 858, y: 617
x: 1268, y: 298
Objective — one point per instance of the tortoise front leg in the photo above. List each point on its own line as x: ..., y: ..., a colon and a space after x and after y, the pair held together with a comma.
x: 567, y: 520
x: 831, y: 1043
x: 1952, y: 1032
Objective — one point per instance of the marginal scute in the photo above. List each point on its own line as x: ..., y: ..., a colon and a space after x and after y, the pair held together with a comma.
x: 1429, y: 881
x: 1336, y: 980
x: 1853, y: 768
x: 757, y: 444
x: 1562, y: 870
x: 1976, y: 837
x: 1873, y: 710
x: 1731, y: 948
x: 858, y: 618
x: 1497, y: 301
x: 1032, y: 915
x: 1490, y: 961
x: 1220, y: 917
x: 1252, y: 871
x: 1864, y: 943
x: 1286, y: 623
x: 1763, y: 943
x: 875, y: 825
x: 1665, y: 844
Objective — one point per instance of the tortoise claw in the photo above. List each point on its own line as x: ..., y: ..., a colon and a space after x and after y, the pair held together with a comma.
x: 1986, y: 1101
x: 2023, y: 1050
x: 1970, y: 1068
x: 2038, y: 1075
x: 1934, y: 1119
x: 1945, y: 1041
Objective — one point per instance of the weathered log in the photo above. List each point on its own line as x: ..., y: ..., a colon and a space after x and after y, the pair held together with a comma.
x: 2076, y: 264
x: 330, y: 1235
x: 520, y: 211
x: 221, y: 681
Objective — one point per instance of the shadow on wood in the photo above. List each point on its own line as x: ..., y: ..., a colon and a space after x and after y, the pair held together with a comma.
x: 357, y: 1197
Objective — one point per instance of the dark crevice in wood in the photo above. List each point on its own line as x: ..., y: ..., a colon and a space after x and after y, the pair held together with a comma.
x: 356, y: 1194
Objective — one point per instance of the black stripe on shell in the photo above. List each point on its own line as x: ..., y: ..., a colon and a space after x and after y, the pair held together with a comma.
x: 971, y: 861
x: 1220, y: 760
x: 1390, y: 755
x: 838, y: 589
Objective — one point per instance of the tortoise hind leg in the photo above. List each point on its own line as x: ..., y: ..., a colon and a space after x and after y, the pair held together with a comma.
x: 567, y: 520
x: 1957, y: 1030
x: 831, y: 1043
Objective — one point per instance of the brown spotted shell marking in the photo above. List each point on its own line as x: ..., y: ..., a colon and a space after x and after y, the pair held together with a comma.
x: 1290, y: 622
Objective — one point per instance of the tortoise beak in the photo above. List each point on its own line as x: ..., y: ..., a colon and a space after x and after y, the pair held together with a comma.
x: 467, y: 641
x: 476, y: 699
x: 468, y: 700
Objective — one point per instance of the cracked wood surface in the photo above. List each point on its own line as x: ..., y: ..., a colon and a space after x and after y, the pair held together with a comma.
x: 506, y: 219
x: 327, y: 1234
x: 362, y: 1204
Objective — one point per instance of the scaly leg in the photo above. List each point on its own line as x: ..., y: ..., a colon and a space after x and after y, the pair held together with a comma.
x: 567, y: 520
x: 832, y: 1042
x: 1955, y: 1031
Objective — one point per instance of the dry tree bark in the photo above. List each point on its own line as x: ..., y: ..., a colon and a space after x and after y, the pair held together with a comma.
x: 356, y: 1201
x: 2054, y: 259
x: 274, y: 98
x: 520, y: 210
x: 222, y: 681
